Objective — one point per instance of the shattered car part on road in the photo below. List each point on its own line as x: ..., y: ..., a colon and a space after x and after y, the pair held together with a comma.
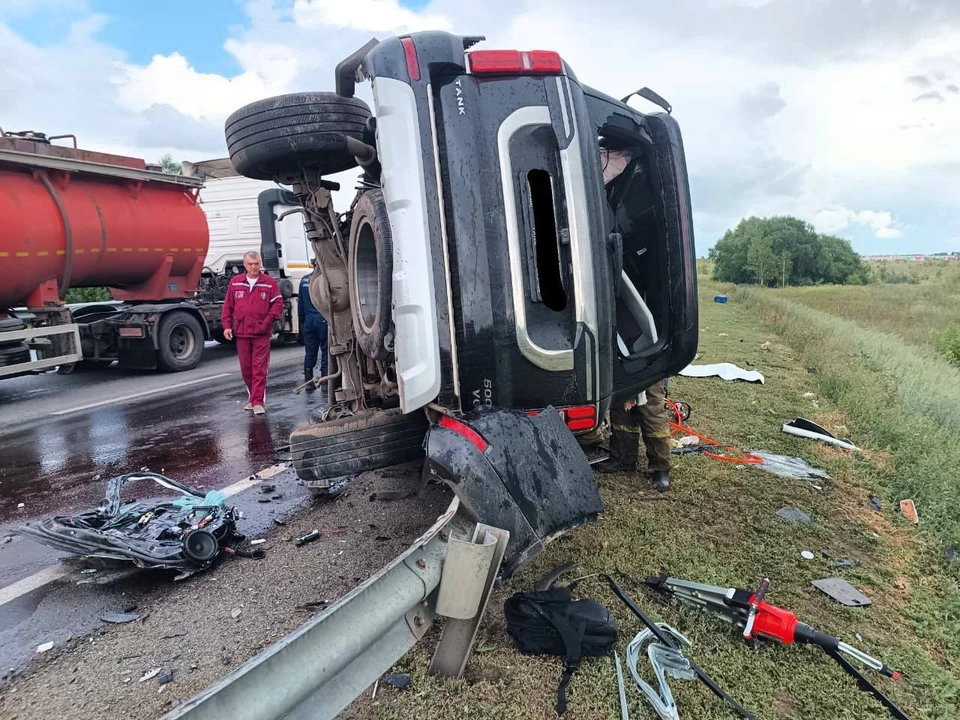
x: 186, y: 534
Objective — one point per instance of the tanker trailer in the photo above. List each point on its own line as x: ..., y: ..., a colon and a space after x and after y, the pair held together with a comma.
x: 75, y: 218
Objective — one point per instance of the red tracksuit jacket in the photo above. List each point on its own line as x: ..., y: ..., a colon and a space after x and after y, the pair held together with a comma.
x: 251, y: 313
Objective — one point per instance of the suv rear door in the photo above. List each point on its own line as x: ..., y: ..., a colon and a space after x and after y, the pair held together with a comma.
x: 649, y: 218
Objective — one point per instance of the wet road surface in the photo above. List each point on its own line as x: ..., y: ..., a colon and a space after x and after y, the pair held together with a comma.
x: 196, y: 434
x: 63, y: 437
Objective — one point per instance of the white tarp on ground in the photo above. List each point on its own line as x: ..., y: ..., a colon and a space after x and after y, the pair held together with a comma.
x: 727, y: 371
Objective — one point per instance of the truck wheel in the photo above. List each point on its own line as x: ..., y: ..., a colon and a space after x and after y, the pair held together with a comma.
x: 323, y: 453
x: 371, y: 274
x: 179, y: 341
x: 16, y: 351
x: 284, y: 134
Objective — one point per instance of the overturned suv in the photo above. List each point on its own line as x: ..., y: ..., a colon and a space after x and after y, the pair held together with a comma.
x: 518, y: 256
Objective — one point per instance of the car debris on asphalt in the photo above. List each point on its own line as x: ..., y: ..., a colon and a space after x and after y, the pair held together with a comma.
x: 186, y: 534
x: 119, y: 618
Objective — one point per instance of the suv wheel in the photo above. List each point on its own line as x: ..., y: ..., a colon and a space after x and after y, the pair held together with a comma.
x: 324, y: 453
x: 282, y: 135
x: 371, y: 275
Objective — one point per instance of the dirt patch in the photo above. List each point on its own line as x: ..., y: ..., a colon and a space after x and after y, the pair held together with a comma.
x: 204, y: 627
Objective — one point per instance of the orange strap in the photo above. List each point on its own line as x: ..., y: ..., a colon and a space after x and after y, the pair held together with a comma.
x: 740, y: 457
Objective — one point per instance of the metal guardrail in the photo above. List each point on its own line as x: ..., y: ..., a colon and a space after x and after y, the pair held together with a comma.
x: 320, y: 668
x: 32, y: 334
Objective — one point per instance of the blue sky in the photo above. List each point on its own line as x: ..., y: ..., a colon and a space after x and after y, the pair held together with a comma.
x: 842, y: 113
x: 142, y: 29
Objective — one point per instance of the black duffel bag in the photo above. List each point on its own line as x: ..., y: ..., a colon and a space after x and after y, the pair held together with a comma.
x: 552, y: 623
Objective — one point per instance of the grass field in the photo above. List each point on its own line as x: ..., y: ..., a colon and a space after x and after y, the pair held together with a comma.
x: 718, y: 525
x: 910, y: 311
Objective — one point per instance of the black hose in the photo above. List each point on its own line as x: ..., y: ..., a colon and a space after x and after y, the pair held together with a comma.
x: 68, y: 235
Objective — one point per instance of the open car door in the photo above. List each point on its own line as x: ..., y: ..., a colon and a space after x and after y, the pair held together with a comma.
x: 649, y: 219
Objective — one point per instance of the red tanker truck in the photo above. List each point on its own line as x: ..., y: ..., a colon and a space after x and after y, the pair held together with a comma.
x: 76, y: 218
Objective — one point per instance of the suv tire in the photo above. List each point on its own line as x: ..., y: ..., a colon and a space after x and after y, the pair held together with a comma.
x: 281, y: 135
x: 325, y: 452
x: 371, y: 275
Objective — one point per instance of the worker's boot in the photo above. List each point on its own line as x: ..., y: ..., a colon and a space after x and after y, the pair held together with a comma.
x: 660, y: 480
x: 615, y: 465
x: 307, y: 377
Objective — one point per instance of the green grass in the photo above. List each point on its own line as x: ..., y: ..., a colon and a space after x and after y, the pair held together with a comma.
x: 718, y: 525
x: 909, y: 311
x: 902, y: 398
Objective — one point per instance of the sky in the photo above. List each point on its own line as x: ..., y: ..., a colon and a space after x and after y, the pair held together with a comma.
x: 845, y: 113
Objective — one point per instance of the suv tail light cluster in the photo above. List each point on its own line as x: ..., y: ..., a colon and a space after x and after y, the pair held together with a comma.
x: 515, y: 62
x: 578, y: 417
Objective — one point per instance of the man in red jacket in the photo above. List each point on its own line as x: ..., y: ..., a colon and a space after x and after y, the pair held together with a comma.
x: 253, y: 304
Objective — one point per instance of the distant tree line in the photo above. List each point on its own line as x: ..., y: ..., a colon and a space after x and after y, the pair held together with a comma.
x: 780, y: 251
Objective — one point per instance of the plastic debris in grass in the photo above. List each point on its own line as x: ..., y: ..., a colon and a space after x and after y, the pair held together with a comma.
x: 794, y: 516
x: 909, y: 510
x: 794, y: 468
x: 186, y: 534
x: 801, y: 427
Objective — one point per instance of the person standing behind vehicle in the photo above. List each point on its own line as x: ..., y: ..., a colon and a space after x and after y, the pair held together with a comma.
x: 313, y: 326
x: 253, y: 304
x: 644, y: 417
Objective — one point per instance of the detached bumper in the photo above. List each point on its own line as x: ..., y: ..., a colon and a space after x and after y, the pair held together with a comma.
x: 525, y: 474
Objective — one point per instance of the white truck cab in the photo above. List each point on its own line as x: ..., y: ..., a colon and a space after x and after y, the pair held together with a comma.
x: 242, y: 214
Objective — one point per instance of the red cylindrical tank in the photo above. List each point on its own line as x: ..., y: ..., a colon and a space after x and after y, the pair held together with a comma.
x: 144, y: 239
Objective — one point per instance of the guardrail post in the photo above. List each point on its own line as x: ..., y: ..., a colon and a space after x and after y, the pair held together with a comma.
x: 456, y: 642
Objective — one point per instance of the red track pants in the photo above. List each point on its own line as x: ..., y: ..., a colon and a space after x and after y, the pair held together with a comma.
x: 254, y: 356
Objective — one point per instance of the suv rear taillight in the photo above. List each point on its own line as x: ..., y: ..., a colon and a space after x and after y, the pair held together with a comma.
x: 466, y: 431
x: 515, y: 62
x: 578, y: 417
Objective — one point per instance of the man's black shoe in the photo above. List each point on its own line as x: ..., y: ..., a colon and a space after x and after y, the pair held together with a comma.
x: 660, y: 480
x: 307, y: 377
x: 612, y: 465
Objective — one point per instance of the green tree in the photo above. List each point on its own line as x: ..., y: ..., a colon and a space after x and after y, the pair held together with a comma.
x: 90, y: 294
x: 784, y: 251
x: 171, y: 166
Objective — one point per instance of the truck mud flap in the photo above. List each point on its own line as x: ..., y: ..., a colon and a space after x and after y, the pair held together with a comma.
x: 522, y: 473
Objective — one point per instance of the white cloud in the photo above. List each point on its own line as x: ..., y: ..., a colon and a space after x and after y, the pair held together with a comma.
x: 370, y: 15
x: 797, y: 108
x: 171, y: 80
x: 836, y: 219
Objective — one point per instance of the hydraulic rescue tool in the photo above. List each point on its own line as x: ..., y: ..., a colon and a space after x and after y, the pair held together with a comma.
x: 761, y: 620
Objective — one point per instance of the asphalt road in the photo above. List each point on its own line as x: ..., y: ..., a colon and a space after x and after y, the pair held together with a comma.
x: 63, y: 436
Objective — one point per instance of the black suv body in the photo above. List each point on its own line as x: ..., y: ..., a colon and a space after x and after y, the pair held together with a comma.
x: 531, y: 282
x: 492, y: 265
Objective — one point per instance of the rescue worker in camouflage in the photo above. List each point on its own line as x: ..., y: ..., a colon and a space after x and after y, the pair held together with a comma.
x: 635, y: 421
x: 646, y: 416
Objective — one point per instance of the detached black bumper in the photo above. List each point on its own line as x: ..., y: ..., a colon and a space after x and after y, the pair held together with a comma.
x: 525, y: 474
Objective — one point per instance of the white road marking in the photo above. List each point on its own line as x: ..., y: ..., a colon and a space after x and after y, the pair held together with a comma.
x: 249, y: 482
x: 31, y: 583
x: 56, y: 572
x: 134, y: 396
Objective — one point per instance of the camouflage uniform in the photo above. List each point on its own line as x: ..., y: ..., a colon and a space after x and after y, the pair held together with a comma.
x: 648, y: 421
